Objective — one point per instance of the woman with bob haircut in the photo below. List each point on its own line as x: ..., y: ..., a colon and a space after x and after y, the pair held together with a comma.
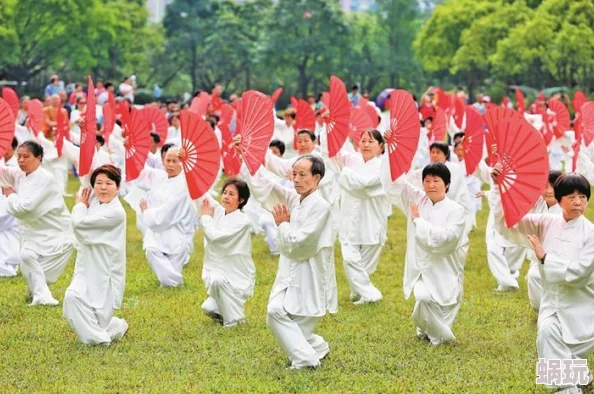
x: 564, y: 246
x: 97, y: 287
x: 229, y: 273
x: 35, y: 199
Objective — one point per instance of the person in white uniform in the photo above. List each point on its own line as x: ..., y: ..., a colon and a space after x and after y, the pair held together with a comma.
x: 229, y: 273
x: 9, y: 226
x: 305, y: 284
x: 564, y: 245
x: 436, y: 250
x: 168, y: 219
x: 34, y: 198
x: 99, y: 279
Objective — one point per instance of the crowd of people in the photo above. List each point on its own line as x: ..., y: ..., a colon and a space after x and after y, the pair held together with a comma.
x: 302, y: 201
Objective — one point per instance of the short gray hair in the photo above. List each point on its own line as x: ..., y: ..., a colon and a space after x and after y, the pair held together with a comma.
x: 317, y: 165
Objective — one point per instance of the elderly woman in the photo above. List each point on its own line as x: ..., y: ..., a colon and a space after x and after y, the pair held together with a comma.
x: 34, y: 198
x: 97, y: 288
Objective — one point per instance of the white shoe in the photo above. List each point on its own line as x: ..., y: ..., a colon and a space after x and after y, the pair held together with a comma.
x: 421, y: 334
x: 363, y: 300
x: 297, y: 367
x: 47, y: 302
x: 505, y: 289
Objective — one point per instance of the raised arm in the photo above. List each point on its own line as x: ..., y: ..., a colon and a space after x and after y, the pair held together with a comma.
x: 87, y: 226
x: 573, y: 272
x: 224, y: 237
x: 440, y: 239
x: 361, y: 186
x: 265, y: 189
x: 8, y: 175
x: 167, y: 214
x: 302, y: 243
x: 24, y: 206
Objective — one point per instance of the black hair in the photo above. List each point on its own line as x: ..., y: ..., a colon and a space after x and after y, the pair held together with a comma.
x: 111, y: 171
x: 457, y: 143
x: 100, y: 140
x: 211, y: 122
x: 312, y: 136
x: 171, y: 119
x: 14, y: 143
x: 553, y: 176
x: 317, y: 164
x: 439, y: 170
x: 459, y: 134
x: 166, y: 147
x: 33, y: 147
x: 569, y: 183
x: 376, y: 135
x: 279, y: 144
x: 108, y: 85
x: 156, y: 138
x: 355, y: 87
x: 442, y: 146
x: 243, y: 191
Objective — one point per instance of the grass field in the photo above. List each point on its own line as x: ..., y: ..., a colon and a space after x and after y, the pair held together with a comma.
x: 172, y: 347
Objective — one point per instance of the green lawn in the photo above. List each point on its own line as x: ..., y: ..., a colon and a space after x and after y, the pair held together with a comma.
x: 172, y: 347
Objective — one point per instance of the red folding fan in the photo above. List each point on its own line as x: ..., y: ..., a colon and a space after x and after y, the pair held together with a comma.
x: 577, y: 144
x: 520, y: 102
x: 337, y: 123
x: 257, y: 127
x: 305, y: 118
x: 62, y: 130
x: 439, y: 125
x: 201, y: 156
x: 200, y: 104
x: 474, y: 139
x: 587, y: 115
x: 112, y: 102
x: 137, y: 143
x: 88, y: 133
x: 12, y: 99
x: 216, y: 102
x: 108, y: 121
x: 124, y: 111
x: 558, y: 117
x: 525, y: 162
x: 505, y: 102
x: 492, y: 117
x: 277, y: 93
x: 443, y: 101
x: 579, y: 99
x: 231, y: 159
x: 405, y: 130
x: 157, y: 122
x: 35, y: 112
x: 458, y: 113
x: 7, y: 126
x: 360, y: 122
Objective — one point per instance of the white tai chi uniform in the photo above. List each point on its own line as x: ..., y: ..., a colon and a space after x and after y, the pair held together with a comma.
x: 46, y: 232
x: 436, y: 250
x: 305, y: 284
x: 566, y: 316
x: 229, y: 273
x: 365, y: 208
x: 170, y: 224
x: 99, y: 279
x: 9, y: 235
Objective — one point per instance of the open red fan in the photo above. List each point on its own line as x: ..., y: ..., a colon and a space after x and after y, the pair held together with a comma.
x: 576, y: 145
x: 540, y: 99
x: 200, y: 104
x: 579, y: 99
x: 520, y: 102
x: 88, y: 133
x: 558, y: 117
x: 443, y: 101
x: 337, y: 123
x: 458, y: 112
x: 112, y: 102
x: 257, y: 127
x: 157, y: 122
x: 525, y: 162
x: 124, y: 111
x: 505, y: 102
x: 492, y: 117
x: 360, y: 122
x: 7, y: 126
x: 231, y: 160
x: 216, y: 102
x: 201, y: 156
x: 305, y: 118
x: 405, y: 130
x: 108, y: 121
x: 439, y: 125
x: 137, y: 143
x: 587, y: 115
x: 62, y: 129
x: 474, y: 139
x: 12, y: 99
x: 35, y: 112
x: 277, y: 93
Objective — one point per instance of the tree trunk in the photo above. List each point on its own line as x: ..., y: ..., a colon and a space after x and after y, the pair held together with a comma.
x: 194, y: 65
x: 303, y: 82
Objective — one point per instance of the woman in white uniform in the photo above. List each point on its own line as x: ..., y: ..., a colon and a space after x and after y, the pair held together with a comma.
x: 99, y: 280
x: 9, y: 227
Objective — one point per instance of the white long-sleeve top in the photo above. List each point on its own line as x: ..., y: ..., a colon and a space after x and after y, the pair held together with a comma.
x: 365, y: 206
x: 567, y: 273
x: 228, y: 247
x: 39, y: 207
x: 286, y: 134
x: 100, y: 231
x: 436, y: 244
x: 8, y: 223
x: 170, y: 221
x: 305, y: 270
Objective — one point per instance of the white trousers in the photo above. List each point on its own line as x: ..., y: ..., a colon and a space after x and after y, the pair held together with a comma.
x: 41, y: 271
x: 534, y: 285
x: 505, y: 263
x: 93, y: 326
x: 550, y: 344
x: 224, y: 301
x: 359, y: 262
x: 9, y: 251
x: 431, y: 318
x: 270, y: 230
x: 167, y: 267
x: 295, y: 334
